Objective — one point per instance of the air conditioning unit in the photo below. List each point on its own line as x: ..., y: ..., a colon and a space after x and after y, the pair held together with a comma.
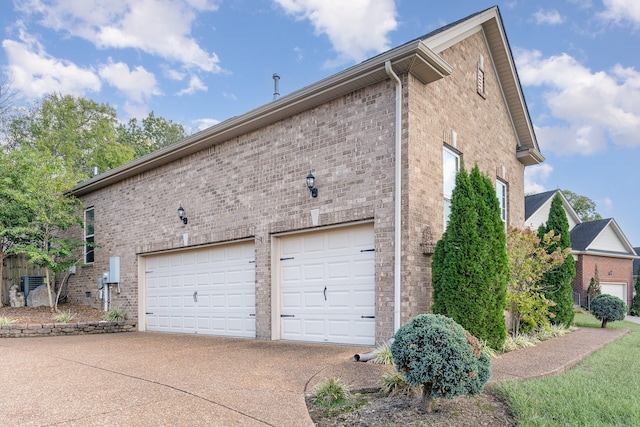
x: 29, y: 283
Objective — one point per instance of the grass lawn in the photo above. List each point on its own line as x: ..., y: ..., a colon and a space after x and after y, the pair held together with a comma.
x: 604, y: 390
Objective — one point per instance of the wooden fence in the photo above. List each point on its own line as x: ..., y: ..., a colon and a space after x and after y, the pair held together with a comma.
x: 14, y: 267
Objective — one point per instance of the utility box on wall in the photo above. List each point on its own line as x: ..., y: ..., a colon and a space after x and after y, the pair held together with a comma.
x: 114, y: 270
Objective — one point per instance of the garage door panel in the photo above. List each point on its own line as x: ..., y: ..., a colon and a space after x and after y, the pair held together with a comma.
x: 208, y: 291
x: 615, y: 289
x: 336, y: 287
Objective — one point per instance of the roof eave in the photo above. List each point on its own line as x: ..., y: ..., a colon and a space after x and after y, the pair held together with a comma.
x: 415, y: 58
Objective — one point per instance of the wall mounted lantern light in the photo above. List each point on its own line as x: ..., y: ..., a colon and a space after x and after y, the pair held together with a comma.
x: 311, y: 181
x: 181, y: 215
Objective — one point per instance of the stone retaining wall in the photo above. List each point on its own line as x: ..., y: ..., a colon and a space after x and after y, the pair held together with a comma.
x: 57, y: 329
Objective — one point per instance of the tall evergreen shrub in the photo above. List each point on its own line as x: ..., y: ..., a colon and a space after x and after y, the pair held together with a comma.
x: 556, y: 283
x: 635, y: 304
x: 470, y: 270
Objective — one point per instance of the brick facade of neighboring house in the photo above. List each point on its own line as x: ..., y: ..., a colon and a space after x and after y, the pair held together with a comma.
x: 611, y: 272
x: 242, y: 185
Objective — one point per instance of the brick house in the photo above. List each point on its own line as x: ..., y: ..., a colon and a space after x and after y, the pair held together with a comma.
x: 259, y: 256
x: 595, y: 244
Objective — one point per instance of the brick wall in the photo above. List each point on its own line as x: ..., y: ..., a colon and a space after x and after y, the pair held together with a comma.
x: 610, y: 269
x: 254, y: 186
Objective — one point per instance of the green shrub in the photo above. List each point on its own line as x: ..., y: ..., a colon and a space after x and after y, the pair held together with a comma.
x: 608, y: 308
x: 115, y: 315
x: 331, y: 392
x: 635, y: 303
x: 436, y: 352
x: 6, y: 321
x: 395, y: 384
x: 383, y: 354
x: 64, y: 317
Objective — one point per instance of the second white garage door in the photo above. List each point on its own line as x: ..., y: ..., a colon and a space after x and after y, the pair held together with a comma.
x: 616, y: 289
x: 327, y: 286
x: 208, y: 291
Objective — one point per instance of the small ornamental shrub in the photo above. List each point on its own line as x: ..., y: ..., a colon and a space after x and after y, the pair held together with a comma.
x: 6, y: 321
x: 64, y: 317
x: 115, y: 315
x: 608, y: 308
x: 395, y: 384
x: 331, y: 392
x: 436, y: 352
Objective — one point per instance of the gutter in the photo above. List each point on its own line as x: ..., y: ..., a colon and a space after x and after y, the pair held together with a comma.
x: 397, y: 243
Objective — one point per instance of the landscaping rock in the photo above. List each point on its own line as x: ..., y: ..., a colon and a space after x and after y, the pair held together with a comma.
x: 16, y: 298
x: 38, y: 297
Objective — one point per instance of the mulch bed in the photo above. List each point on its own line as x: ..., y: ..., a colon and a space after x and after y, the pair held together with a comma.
x: 43, y: 314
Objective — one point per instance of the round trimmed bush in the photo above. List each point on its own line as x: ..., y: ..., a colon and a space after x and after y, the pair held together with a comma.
x: 436, y: 352
x: 608, y: 308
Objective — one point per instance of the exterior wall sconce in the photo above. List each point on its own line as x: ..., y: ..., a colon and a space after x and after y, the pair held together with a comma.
x: 311, y: 181
x: 183, y: 218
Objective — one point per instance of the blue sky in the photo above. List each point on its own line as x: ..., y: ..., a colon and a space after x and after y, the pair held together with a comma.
x: 199, y: 62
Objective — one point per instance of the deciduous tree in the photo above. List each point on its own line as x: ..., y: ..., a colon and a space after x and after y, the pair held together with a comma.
x: 529, y: 260
x: 78, y: 132
x: 42, y: 186
x: 154, y: 134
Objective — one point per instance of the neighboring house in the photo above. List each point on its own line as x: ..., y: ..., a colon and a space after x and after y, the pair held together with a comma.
x: 260, y: 256
x: 599, y: 243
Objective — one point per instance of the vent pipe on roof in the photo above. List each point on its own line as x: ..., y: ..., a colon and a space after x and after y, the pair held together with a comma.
x: 276, y: 90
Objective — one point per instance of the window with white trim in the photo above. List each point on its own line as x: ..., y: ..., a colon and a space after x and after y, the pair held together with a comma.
x: 89, y: 231
x: 501, y: 193
x: 450, y: 168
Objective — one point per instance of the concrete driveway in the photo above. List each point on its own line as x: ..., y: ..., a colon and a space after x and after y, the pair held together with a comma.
x: 148, y: 379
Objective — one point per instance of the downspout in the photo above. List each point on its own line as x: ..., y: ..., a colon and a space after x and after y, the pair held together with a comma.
x: 397, y: 241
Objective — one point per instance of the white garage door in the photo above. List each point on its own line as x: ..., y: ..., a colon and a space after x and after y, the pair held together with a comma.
x: 616, y: 289
x: 206, y: 291
x: 327, y: 286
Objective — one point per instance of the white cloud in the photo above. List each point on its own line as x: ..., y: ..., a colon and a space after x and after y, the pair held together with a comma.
x: 202, y: 124
x: 174, y: 74
x: 535, y: 176
x: 195, y: 84
x: 349, y: 25
x: 548, y: 17
x: 158, y: 27
x: 35, y: 73
x: 585, y: 110
x: 622, y: 11
x: 137, y: 84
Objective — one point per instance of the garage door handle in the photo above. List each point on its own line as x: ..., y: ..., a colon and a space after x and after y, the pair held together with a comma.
x: 367, y: 317
x: 325, y: 293
x: 195, y: 296
x: 287, y: 315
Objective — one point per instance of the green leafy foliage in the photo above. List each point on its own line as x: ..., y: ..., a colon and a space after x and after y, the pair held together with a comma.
x: 6, y: 321
x: 608, y: 308
x: 78, y: 132
x: 436, y: 352
x: 556, y: 283
x: 395, y: 384
x: 331, y: 392
x: 470, y: 270
x: 582, y: 205
x: 115, y: 315
x: 635, y: 304
x: 150, y: 135
x: 64, y: 317
x: 39, y: 192
x: 529, y: 259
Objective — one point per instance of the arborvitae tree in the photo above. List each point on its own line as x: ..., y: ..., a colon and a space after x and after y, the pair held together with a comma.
x: 493, y: 278
x: 451, y: 269
x: 556, y: 284
x: 470, y: 265
x: 635, y: 305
